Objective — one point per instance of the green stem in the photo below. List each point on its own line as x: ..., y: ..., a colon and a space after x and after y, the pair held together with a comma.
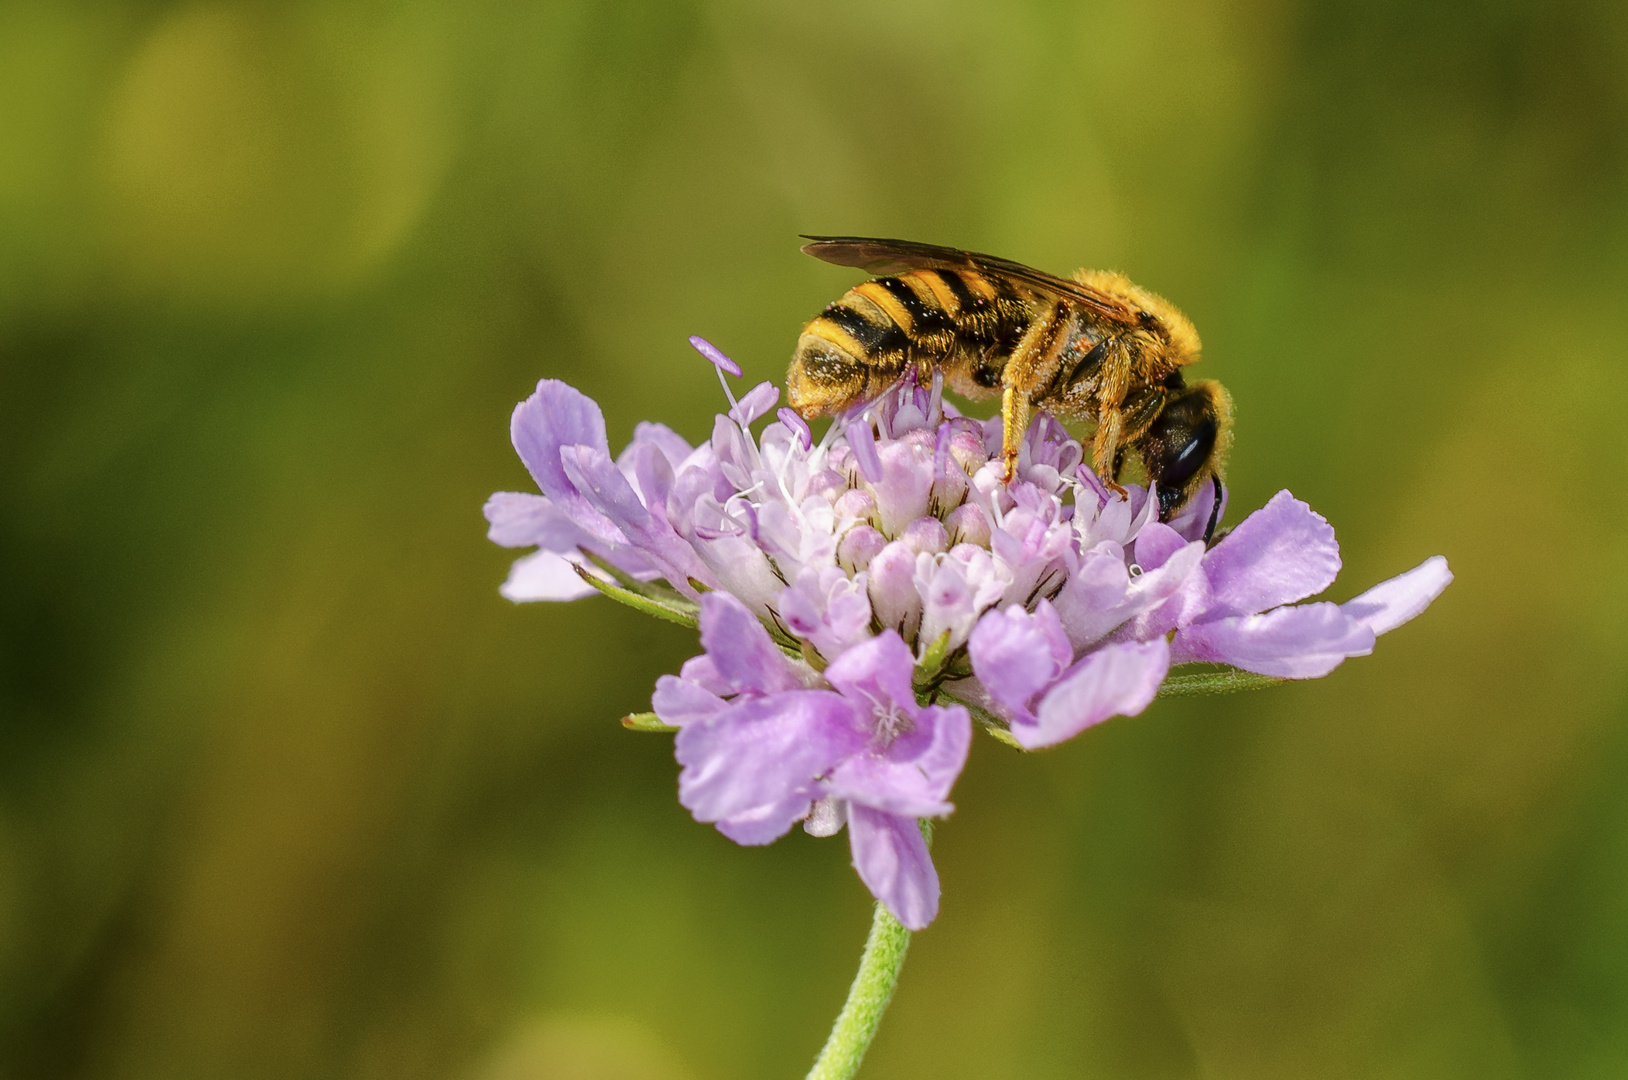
x: 867, y: 999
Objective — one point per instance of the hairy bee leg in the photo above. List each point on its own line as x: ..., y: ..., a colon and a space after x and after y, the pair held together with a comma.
x: 1119, y: 421
x: 1123, y: 426
x: 1016, y: 410
x: 1032, y: 367
x: 1106, y: 445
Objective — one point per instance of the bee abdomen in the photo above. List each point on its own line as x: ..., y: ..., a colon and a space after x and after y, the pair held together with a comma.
x: 847, y: 353
x: 860, y: 328
x: 864, y: 341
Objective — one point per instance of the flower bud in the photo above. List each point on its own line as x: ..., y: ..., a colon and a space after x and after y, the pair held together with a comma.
x: 892, y: 588
x: 855, y: 503
x: 858, y: 547
x: 926, y: 535
x: 967, y: 524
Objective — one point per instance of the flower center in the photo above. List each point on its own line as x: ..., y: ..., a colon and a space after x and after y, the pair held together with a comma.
x: 890, y: 723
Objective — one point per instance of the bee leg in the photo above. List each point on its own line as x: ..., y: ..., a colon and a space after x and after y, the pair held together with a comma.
x: 1015, y: 411
x: 1107, y: 452
x: 1123, y: 424
x: 1215, y: 513
x: 1128, y: 424
x: 1031, y: 368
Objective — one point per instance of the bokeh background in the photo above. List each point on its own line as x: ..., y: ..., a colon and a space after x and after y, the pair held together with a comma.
x: 287, y: 791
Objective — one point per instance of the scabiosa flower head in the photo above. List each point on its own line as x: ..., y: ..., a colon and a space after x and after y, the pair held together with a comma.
x: 861, y: 596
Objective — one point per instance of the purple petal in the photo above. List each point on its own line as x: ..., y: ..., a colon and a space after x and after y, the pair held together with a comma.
x: 520, y: 520
x: 679, y: 701
x: 693, y: 484
x: 741, y: 649
x: 600, y: 480
x: 1281, y: 553
x: 669, y: 442
x: 955, y: 590
x: 703, y: 672
x: 1194, y: 518
x: 735, y: 455
x: 543, y: 575
x: 738, y: 566
x: 826, y: 608
x: 1391, y: 603
x: 862, y: 444
x: 652, y: 476
x: 766, y: 824
x: 893, y: 862
x: 713, y: 353
x: 1155, y: 543
x: 1303, y: 642
x: 757, y: 762
x: 1116, y: 680
x: 913, y: 775
x: 755, y: 403
x: 877, y: 672
x: 1103, y: 596
x: 592, y: 472
x: 554, y: 417
x: 797, y: 425
x: 1016, y: 655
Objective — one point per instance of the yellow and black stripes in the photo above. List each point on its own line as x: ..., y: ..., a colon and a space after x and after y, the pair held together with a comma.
x: 962, y: 321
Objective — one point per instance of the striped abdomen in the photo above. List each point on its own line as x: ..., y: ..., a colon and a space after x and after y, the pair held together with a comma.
x: 964, y: 322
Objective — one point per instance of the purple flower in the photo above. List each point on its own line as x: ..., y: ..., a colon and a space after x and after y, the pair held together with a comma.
x: 760, y: 747
x: 891, y: 552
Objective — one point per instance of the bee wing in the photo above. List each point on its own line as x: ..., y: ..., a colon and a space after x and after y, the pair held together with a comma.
x: 884, y: 258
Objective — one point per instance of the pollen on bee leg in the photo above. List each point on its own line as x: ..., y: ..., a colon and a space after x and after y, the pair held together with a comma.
x: 1014, y: 425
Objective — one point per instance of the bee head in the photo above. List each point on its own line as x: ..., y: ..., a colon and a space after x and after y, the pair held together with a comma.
x: 1186, y: 446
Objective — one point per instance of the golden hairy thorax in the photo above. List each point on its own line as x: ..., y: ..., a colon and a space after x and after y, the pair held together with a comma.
x: 1095, y: 347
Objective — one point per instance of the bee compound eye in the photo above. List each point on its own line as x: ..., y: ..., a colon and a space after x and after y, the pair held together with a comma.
x: 1190, y: 458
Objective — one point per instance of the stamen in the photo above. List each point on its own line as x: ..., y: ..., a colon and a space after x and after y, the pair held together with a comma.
x: 797, y: 424
x: 862, y: 441
x: 715, y: 354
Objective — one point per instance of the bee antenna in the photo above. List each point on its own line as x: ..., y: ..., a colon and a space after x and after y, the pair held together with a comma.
x: 1215, y: 511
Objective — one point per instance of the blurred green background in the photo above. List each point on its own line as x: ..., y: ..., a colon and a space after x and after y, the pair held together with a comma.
x: 287, y: 791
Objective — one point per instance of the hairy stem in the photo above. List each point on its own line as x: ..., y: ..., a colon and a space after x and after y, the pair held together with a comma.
x: 867, y: 999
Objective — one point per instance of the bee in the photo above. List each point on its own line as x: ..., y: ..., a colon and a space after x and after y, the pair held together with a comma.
x: 1095, y: 348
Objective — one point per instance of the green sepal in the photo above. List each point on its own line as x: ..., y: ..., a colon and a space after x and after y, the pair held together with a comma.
x: 988, y: 720
x: 617, y: 574
x: 932, y: 661
x: 1002, y: 735
x: 645, y: 721
x: 1227, y: 680
x: 662, y: 594
x: 673, y: 608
